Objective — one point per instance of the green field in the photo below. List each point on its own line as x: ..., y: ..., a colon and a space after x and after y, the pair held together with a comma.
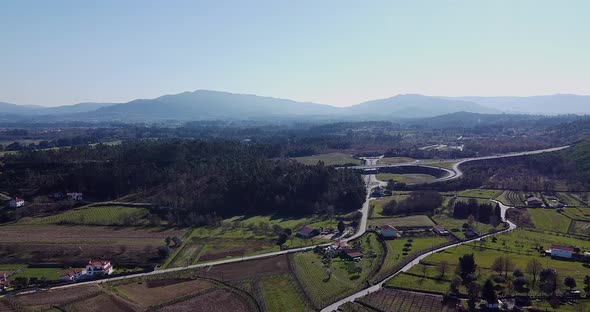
x: 549, y: 219
x: 312, y: 274
x: 38, y: 273
x: 445, y: 165
x: 401, y: 222
x: 570, y: 200
x: 580, y: 228
x: 395, y: 254
x: 243, y: 236
x: 406, y: 178
x: 279, y: 294
x: 582, y: 214
x: 520, y: 245
x: 96, y: 215
x: 394, y: 160
x: 452, y: 224
x: 480, y: 193
x: 329, y: 159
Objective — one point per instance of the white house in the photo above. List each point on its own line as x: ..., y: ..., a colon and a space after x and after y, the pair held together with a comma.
x: 72, y: 276
x: 16, y: 202
x: 561, y: 251
x: 388, y: 231
x: 75, y: 196
x: 99, y: 268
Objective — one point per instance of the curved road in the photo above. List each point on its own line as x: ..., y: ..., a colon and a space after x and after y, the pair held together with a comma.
x: 407, y: 267
x: 371, y: 181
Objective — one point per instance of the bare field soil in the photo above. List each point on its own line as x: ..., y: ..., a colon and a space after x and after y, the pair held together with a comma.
x: 100, y: 303
x: 219, y: 300
x: 54, y: 297
x: 248, y: 269
x: 397, y: 300
x: 73, y: 244
x: 153, y: 292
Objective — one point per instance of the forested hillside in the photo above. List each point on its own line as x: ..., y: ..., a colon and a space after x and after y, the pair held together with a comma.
x: 189, y: 181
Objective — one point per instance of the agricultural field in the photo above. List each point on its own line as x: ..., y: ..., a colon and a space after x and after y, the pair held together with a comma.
x: 217, y: 300
x: 396, y: 254
x: 570, y: 200
x: 243, y: 236
x: 549, y: 219
x: 43, y: 300
x: 403, y: 222
x: 247, y: 270
x: 321, y: 288
x: 95, y: 215
x: 279, y: 294
x: 455, y: 226
x: 581, y: 214
x: 520, y: 245
x: 480, y: 193
x: 580, y: 228
x: 72, y: 245
x: 403, y: 301
x: 329, y: 159
x: 406, y: 178
x: 394, y: 160
x: 147, y: 293
x: 38, y: 273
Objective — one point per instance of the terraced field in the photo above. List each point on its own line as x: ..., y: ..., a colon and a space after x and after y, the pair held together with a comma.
x: 403, y: 301
x: 97, y: 215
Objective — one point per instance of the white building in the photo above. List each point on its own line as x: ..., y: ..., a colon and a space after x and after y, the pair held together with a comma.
x: 72, y: 276
x: 561, y: 251
x: 99, y: 268
x: 16, y: 202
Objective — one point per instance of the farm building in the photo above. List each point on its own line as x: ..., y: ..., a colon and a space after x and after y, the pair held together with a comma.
x: 352, y: 254
x: 16, y: 202
x: 99, y: 268
x: 561, y: 251
x: 470, y: 233
x: 3, y: 281
x: 307, y: 232
x: 388, y: 231
x: 440, y: 230
x: 75, y: 196
x: 73, y: 275
x: 534, y: 202
x: 378, y: 192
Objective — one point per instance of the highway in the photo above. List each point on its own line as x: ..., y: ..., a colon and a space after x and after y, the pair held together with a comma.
x: 371, y: 181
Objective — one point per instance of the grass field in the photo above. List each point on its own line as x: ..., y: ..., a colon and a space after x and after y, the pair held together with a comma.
x: 570, y: 200
x: 395, y: 254
x: 452, y: 224
x: 402, y: 301
x: 549, y: 219
x: 406, y: 178
x: 279, y: 294
x: 96, y: 215
x: 580, y: 228
x: 403, y: 222
x: 312, y: 274
x: 394, y: 160
x: 582, y: 214
x: 329, y: 159
x: 243, y: 236
x: 520, y: 245
x: 480, y: 193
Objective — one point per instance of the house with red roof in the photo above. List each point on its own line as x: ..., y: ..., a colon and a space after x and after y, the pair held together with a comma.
x: 16, y: 202
x: 72, y: 276
x: 99, y: 268
x: 388, y: 232
x: 561, y: 251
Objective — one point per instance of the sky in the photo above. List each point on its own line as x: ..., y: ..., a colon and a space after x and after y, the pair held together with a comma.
x: 332, y: 52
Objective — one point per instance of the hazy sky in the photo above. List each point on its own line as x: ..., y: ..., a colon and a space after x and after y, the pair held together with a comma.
x: 333, y: 52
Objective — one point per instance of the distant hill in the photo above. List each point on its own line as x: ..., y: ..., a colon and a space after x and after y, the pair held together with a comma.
x: 415, y: 105
x: 214, y: 105
x: 546, y: 104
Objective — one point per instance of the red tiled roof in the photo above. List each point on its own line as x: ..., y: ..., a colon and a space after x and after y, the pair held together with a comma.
x: 564, y: 248
x: 99, y: 263
x: 354, y: 254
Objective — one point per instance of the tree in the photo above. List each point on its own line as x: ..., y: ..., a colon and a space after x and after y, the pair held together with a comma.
x: 442, y: 268
x: 177, y: 241
x: 587, y: 282
x: 498, y: 212
x: 488, y: 293
x: 341, y: 226
x: 329, y: 273
x: 163, y: 252
x: 549, y: 281
x: 282, y: 239
x: 424, y: 270
x: 534, y: 267
x: 455, y: 283
x: 498, y: 265
x: 570, y: 282
x: 467, y: 264
x: 517, y: 273
x: 473, y: 290
x: 288, y: 232
x: 167, y: 240
x: 508, y: 265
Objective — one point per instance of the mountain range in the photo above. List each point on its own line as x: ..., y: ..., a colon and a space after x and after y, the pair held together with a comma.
x: 212, y: 105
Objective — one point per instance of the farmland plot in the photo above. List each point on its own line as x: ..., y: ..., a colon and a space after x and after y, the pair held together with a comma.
x: 402, y: 301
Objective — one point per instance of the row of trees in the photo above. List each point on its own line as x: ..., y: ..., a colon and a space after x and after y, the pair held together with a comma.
x: 417, y: 202
x: 482, y: 212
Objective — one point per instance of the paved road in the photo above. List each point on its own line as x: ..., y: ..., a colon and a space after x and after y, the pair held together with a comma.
x: 377, y: 287
x: 371, y: 181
